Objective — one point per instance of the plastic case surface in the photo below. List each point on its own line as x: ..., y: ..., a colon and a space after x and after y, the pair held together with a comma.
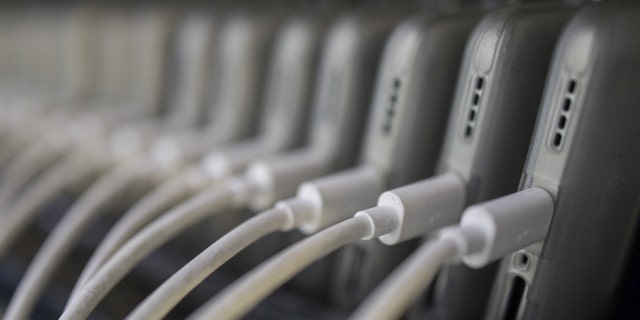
x: 586, y: 153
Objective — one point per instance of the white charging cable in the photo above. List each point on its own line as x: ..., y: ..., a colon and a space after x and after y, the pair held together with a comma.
x: 80, y: 166
x: 127, y: 142
x: 214, y: 169
x: 277, y: 177
x: 264, y: 182
x: 63, y: 238
x: 282, y: 128
x: 126, y: 176
x: 223, y: 249
x: 487, y: 232
x: 171, y: 192
x: 318, y: 204
x: 213, y: 200
x: 237, y: 300
x: 445, y: 195
x: 130, y: 176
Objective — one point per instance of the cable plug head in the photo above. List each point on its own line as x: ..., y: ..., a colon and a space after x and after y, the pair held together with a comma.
x: 279, y: 176
x: 298, y: 211
x: 508, y: 224
x: 382, y: 220
x: 424, y: 206
x: 217, y: 166
x: 338, y: 195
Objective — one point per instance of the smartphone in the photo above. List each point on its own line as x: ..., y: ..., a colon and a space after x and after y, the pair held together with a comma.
x: 350, y: 52
x: 585, y: 154
x: 410, y: 105
x: 239, y: 70
x: 499, y: 91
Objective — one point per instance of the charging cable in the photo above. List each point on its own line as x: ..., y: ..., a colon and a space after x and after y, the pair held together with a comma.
x: 171, y: 192
x: 79, y: 167
x: 281, y: 129
x: 58, y: 245
x: 237, y: 300
x: 128, y: 142
x: 318, y: 204
x: 487, y: 232
x: 214, y: 169
x: 443, y: 194
x: 130, y: 176
x: 263, y: 182
x: 215, y: 199
x: 125, y: 144
x: 347, y: 54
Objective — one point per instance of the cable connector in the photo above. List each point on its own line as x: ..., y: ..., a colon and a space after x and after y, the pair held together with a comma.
x: 423, y: 206
x: 232, y: 159
x: 382, y: 220
x: 487, y: 232
x: 493, y: 229
x: 334, y: 198
x: 278, y: 177
x: 297, y: 210
x: 319, y: 203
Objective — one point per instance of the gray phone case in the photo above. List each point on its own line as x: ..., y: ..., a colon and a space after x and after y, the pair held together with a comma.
x: 499, y: 91
x: 345, y: 77
x: 411, y: 103
x: 586, y: 154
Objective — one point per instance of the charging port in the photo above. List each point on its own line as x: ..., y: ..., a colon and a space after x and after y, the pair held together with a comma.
x: 518, y: 285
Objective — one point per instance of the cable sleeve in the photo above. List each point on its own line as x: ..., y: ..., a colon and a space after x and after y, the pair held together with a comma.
x: 424, y: 206
x: 337, y: 196
x: 278, y: 177
x: 205, y: 204
x: 507, y: 224
x: 165, y: 297
x: 238, y: 299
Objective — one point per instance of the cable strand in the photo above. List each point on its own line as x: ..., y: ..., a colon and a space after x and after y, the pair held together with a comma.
x: 205, y: 204
x: 164, y: 298
x: 147, y: 209
x: 396, y: 293
x: 238, y: 299
x: 64, y: 237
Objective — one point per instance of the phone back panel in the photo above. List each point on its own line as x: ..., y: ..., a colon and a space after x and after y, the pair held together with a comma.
x: 586, y: 153
x: 499, y: 91
x: 411, y: 103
